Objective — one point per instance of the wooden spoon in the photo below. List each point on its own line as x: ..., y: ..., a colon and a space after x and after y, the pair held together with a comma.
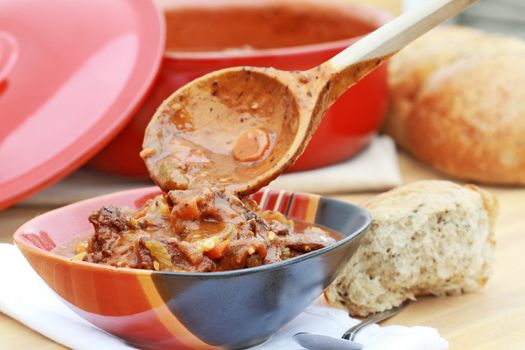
x: 239, y: 128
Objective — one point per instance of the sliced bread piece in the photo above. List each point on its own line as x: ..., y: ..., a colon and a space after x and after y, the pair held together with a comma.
x: 427, y: 237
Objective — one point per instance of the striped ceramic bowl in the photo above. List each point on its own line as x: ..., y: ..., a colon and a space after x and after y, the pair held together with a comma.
x: 168, y: 310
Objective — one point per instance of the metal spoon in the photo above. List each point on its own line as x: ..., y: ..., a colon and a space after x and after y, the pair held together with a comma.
x: 314, y: 341
x: 240, y: 128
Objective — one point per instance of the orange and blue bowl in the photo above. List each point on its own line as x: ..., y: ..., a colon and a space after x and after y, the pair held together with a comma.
x: 171, y: 310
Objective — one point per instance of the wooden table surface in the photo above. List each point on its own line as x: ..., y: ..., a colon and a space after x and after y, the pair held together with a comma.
x: 492, y: 318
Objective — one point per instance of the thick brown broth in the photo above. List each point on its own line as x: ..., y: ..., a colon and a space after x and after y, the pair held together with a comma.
x: 259, y: 26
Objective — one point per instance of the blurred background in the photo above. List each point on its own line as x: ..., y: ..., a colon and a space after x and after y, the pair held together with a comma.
x: 498, y: 16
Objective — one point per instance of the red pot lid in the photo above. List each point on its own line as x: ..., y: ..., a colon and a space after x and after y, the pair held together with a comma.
x: 71, y: 75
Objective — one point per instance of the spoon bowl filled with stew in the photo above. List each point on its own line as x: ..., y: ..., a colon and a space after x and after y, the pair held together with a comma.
x: 158, y: 289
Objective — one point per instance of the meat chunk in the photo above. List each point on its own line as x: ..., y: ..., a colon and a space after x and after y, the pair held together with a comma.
x: 108, y: 222
x: 144, y: 259
x: 278, y: 223
x: 110, y: 218
x: 307, y: 242
x: 274, y: 252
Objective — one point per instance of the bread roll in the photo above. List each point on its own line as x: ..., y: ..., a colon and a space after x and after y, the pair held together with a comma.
x: 427, y: 237
x: 455, y: 93
x: 409, y: 69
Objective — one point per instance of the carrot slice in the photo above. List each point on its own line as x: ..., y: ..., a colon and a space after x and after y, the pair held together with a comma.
x: 251, y: 145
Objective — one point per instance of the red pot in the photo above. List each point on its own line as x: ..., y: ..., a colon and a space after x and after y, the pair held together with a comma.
x: 283, y: 34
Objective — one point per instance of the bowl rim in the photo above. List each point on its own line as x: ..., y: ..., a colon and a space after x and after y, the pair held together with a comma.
x: 374, y: 16
x: 153, y: 190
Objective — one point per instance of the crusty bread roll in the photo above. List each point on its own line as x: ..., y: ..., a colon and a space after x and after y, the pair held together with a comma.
x: 427, y: 237
x: 457, y: 103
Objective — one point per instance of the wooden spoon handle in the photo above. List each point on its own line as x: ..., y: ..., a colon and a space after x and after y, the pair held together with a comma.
x: 350, y: 65
x: 399, y: 32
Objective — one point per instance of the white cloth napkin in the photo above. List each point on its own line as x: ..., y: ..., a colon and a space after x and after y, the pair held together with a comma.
x: 374, y: 168
x: 26, y: 298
